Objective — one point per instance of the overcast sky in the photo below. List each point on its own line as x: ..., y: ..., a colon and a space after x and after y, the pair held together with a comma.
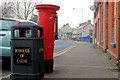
x: 71, y: 11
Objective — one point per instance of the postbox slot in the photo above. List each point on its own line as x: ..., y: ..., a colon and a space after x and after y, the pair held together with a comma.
x: 26, y: 32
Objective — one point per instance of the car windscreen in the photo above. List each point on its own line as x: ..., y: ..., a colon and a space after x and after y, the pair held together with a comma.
x: 6, y: 24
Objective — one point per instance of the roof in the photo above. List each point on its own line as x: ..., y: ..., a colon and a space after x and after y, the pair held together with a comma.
x: 66, y: 26
x: 83, y: 26
x: 10, y: 19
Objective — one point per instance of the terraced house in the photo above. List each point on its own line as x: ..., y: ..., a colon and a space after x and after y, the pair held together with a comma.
x: 83, y: 30
x: 65, y: 32
x: 107, y: 27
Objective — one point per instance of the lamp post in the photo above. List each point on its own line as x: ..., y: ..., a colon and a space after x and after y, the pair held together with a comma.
x: 92, y: 8
x: 81, y: 18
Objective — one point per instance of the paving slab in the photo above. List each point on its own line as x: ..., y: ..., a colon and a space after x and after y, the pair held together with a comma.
x: 83, y: 62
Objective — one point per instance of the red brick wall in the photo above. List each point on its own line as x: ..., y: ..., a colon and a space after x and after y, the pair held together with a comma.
x: 117, y: 29
x: 96, y: 24
x: 109, y: 25
x: 101, y: 24
x: 106, y: 26
x: 112, y: 50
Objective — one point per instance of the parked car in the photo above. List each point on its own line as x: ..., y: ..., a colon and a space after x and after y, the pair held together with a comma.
x: 5, y: 37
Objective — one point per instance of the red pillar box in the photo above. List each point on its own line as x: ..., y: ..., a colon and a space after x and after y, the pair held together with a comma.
x: 47, y: 19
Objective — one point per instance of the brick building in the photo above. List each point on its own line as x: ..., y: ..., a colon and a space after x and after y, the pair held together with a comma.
x: 106, y: 28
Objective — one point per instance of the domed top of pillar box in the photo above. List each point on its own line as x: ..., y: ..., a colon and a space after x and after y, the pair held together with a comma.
x: 47, y: 7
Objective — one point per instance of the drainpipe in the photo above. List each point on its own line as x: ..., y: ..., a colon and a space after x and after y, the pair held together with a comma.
x: 104, y: 25
x: 118, y: 36
x: 99, y: 27
x: 94, y: 27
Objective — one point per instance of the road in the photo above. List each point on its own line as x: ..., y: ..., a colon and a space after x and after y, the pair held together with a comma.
x: 62, y: 44
x: 59, y: 45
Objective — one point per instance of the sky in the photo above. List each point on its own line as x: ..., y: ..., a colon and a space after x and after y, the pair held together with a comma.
x: 71, y: 11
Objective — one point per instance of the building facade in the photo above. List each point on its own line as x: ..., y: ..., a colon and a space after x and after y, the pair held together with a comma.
x: 107, y: 27
x: 65, y: 32
x: 83, y: 30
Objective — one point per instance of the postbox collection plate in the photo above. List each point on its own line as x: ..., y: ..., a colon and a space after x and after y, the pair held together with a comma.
x: 22, y: 56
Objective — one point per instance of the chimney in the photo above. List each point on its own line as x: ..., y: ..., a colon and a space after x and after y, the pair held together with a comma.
x: 80, y: 24
x: 86, y: 22
x: 89, y: 21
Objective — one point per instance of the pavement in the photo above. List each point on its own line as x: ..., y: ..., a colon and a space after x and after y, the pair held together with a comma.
x: 81, y: 60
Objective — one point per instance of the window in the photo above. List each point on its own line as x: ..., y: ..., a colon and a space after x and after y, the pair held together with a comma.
x: 6, y: 24
x: 91, y: 32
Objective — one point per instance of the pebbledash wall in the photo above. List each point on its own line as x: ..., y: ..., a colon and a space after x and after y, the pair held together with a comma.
x: 107, y: 28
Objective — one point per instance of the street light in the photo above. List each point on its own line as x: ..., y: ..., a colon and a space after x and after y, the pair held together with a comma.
x: 82, y: 18
x: 92, y: 8
x: 81, y: 14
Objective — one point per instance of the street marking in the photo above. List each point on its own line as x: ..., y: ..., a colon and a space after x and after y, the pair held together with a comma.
x: 5, y: 76
x: 63, y: 51
x: 74, y: 43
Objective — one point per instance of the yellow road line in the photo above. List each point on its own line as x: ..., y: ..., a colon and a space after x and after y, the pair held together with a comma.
x: 73, y: 43
x: 61, y: 51
x: 64, y: 51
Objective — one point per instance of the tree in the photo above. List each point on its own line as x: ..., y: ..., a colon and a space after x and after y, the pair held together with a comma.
x: 17, y: 9
x: 34, y: 18
x: 25, y: 10
x: 6, y: 9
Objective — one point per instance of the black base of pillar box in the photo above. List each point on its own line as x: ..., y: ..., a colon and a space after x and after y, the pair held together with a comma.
x: 27, y: 77
x: 48, y: 66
